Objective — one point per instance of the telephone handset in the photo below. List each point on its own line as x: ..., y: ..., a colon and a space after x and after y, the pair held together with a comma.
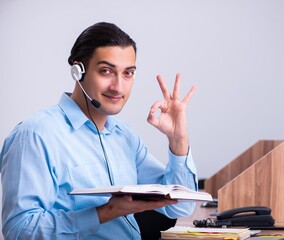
x: 256, y: 210
x: 246, y: 216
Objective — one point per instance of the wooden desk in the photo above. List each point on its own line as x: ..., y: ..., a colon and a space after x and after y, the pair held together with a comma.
x: 201, y: 213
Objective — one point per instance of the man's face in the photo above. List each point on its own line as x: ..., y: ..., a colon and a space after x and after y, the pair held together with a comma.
x: 110, y: 76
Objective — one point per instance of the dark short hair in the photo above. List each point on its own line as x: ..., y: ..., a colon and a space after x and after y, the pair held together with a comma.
x: 100, y: 34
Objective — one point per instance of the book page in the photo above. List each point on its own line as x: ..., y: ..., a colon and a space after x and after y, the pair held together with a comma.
x: 184, y: 193
x: 150, y: 191
x: 148, y: 188
x: 100, y: 190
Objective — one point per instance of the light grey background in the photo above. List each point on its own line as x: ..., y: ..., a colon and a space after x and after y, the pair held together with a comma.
x: 232, y: 50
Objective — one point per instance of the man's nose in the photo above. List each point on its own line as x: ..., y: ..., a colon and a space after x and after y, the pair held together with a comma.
x: 117, y: 83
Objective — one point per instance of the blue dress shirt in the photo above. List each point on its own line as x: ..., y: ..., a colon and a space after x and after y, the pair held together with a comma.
x: 57, y: 150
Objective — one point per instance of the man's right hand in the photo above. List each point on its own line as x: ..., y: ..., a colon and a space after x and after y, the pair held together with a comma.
x: 123, y: 205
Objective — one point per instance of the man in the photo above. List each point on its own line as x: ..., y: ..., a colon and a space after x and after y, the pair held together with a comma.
x: 79, y: 144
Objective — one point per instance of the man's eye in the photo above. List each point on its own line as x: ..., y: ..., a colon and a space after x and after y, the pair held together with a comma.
x: 105, y: 71
x: 129, y: 74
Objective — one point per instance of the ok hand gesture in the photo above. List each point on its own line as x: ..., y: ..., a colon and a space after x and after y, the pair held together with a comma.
x: 172, y: 119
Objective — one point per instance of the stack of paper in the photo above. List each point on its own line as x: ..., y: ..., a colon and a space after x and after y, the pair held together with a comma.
x: 179, y: 232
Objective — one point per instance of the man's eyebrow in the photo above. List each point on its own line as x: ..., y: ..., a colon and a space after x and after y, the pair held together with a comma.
x: 112, y: 65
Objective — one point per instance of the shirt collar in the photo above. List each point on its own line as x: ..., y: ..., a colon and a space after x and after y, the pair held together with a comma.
x: 77, y: 118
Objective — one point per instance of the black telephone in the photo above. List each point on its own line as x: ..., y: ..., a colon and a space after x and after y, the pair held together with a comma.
x: 256, y: 216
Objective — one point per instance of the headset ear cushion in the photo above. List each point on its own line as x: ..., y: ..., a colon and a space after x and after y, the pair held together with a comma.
x: 77, y: 71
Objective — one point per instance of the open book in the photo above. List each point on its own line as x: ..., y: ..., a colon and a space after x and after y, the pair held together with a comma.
x: 148, y: 192
x: 180, y: 232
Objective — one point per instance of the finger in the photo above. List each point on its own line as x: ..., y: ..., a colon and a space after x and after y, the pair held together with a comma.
x: 163, y: 86
x: 155, y: 107
x: 189, y: 94
x: 176, y: 87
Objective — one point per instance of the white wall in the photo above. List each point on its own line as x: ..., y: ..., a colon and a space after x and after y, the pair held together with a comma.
x: 232, y: 50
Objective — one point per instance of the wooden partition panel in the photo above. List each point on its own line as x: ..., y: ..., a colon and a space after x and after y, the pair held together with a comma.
x: 239, y: 164
x: 262, y: 184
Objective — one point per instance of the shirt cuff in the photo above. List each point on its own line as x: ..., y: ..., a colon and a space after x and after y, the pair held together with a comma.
x: 179, y: 162
x: 88, y: 221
